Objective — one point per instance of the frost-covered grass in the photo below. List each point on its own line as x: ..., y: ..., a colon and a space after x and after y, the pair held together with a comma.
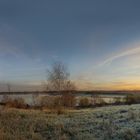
x: 105, y: 123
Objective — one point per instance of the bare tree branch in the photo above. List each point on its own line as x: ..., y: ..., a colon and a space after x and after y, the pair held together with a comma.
x: 58, y: 78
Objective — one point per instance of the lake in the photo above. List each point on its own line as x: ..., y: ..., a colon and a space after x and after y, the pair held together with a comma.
x: 30, y: 98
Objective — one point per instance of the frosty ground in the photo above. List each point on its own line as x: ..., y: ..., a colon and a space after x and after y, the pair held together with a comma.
x: 104, y: 123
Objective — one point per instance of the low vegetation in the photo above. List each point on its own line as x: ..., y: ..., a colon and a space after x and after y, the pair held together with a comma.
x: 105, y: 123
x: 69, y: 101
x: 16, y: 102
x: 132, y: 99
x: 84, y: 102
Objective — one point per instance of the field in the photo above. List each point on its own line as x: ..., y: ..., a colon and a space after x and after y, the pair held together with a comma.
x: 104, y: 123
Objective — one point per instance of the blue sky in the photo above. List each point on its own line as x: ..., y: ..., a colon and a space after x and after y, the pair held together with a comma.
x: 99, y: 40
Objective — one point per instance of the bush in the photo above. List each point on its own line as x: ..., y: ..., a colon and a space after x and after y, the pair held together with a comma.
x: 132, y: 99
x: 47, y: 102
x: 117, y: 100
x: 57, y: 102
x: 16, y: 103
x: 58, y: 105
x: 52, y: 103
x: 68, y: 100
x: 84, y: 102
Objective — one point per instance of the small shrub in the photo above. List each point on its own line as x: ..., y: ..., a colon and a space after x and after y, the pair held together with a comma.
x: 101, y: 102
x: 54, y: 104
x: 68, y: 100
x: 117, y: 100
x: 132, y: 99
x: 16, y: 103
x: 84, y: 102
x: 58, y: 105
x: 57, y: 102
x: 47, y: 102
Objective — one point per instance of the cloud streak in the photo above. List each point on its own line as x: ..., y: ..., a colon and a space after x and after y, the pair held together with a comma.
x: 124, y: 53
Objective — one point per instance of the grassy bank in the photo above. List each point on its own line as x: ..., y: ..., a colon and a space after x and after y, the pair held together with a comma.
x: 120, y: 122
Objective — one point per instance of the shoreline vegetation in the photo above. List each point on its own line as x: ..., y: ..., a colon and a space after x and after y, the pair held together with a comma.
x: 68, y: 101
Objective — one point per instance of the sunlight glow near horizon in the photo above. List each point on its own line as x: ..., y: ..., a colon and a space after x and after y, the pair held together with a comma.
x: 98, y: 41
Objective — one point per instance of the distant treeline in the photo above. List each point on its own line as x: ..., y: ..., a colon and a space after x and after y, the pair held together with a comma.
x: 98, y: 92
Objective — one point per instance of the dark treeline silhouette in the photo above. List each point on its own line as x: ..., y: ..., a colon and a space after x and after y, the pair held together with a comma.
x: 95, y: 92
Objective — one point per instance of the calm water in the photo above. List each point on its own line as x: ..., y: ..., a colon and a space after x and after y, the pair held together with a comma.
x: 29, y: 98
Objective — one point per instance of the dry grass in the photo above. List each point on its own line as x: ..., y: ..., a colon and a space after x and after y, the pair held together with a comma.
x: 101, y: 123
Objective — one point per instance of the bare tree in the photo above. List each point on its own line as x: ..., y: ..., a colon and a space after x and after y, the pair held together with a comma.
x: 58, y: 78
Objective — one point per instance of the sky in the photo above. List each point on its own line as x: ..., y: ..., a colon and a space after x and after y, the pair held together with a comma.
x: 99, y: 41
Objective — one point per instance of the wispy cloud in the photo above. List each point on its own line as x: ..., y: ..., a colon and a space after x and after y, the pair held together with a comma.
x: 131, y: 50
